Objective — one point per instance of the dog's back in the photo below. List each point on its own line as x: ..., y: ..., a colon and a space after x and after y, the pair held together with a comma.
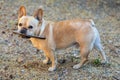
x: 71, y: 31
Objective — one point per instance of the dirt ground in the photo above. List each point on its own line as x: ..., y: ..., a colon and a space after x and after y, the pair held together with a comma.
x: 19, y: 60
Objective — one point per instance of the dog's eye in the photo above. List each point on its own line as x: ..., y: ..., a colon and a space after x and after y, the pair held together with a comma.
x: 20, y: 24
x: 30, y: 27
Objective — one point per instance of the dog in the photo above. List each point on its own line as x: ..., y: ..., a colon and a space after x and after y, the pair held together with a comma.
x: 59, y: 35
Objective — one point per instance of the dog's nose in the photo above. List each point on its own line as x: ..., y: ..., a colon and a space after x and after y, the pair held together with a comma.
x: 23, y: 31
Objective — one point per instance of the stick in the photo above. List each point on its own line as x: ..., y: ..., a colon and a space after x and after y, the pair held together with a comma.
x: 29, y: 36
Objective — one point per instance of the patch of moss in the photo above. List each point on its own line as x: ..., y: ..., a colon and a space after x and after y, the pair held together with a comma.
x: 97, y: 62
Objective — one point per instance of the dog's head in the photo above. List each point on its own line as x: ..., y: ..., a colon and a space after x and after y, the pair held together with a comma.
x: 29, y: 25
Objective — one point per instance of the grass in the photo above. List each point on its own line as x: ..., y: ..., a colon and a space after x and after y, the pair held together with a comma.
x: 96, y: 62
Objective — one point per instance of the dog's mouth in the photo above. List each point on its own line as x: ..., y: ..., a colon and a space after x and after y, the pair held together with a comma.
x: 21, y: 35
x: 24, y: 36
x: 28, y: 36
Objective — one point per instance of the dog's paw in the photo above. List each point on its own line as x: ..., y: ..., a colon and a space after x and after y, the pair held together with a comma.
x: 52, y: 69
x: 45, y: 61
x: 77, y: 66
x: 104, y: 61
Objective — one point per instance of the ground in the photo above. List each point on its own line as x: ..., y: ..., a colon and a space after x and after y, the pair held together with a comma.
x: 19, y: 60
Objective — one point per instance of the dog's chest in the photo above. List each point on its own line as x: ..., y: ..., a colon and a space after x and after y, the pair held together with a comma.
x: 37, y: 43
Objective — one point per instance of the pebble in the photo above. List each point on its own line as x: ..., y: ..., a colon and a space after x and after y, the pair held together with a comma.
x: 3, y: 32
x: 20, y: 59
x: 61, y: 61
x: 110, y: 41
x: 22, y: 71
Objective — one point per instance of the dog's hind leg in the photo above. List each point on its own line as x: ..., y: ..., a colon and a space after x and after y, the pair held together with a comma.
x: 98, y: 46
x: 84, y: 51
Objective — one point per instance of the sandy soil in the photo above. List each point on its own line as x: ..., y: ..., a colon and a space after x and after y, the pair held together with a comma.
x: 19, y: 60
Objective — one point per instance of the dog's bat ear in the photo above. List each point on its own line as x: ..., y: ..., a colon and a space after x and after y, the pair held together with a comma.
x: 38, y: 14
x: 21, y: 12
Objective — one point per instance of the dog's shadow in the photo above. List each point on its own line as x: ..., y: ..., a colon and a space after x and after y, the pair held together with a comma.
x: 36, y: 65
x: 62, y: 64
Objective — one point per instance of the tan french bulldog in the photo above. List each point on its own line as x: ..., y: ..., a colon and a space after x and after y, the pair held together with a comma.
x: 59, y: 35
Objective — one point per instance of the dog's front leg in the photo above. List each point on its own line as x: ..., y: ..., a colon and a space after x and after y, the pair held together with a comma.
x: 46, y: 61
x: 50, y: 56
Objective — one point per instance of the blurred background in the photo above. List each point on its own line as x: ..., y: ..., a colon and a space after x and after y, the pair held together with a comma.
x: 19, y: 60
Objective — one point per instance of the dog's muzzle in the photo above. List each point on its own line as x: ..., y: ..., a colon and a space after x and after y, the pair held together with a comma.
x: 23, y: 31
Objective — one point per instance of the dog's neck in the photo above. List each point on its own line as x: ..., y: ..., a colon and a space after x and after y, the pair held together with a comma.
x: 42, y: 28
